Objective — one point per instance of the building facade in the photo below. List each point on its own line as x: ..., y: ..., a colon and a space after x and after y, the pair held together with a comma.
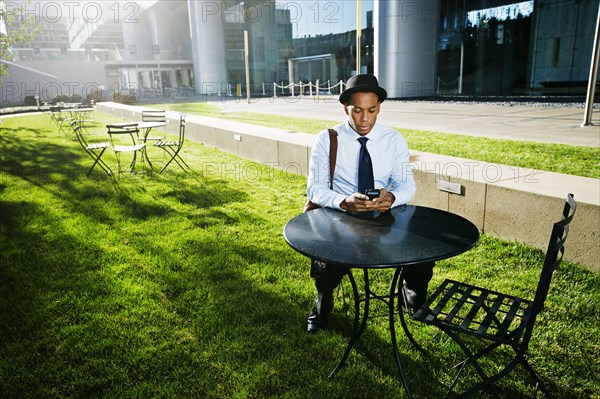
x: 472, y: 48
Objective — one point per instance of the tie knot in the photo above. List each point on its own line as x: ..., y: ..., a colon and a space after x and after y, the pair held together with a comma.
x: 363, y: 141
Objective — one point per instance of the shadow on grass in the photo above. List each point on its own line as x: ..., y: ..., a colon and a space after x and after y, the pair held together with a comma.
x: 150, y: 287
x: 82, y: 324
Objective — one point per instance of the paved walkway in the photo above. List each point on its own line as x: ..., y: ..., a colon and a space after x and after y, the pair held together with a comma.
x: 544, y: 123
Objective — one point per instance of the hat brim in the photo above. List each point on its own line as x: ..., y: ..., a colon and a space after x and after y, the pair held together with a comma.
x: 380, y: 91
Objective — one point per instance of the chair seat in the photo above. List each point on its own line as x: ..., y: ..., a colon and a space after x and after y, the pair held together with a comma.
x: 476, y: 311
x: 128, y: 132
x: 129, y: 148
x: 96, y: 146
x: 167, y: 143
x: 94, y: 150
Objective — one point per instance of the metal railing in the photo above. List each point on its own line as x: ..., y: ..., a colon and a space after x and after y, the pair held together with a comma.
x: 325, y: 89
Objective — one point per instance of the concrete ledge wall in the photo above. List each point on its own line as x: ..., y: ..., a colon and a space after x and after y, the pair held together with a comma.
x: 508, y: 202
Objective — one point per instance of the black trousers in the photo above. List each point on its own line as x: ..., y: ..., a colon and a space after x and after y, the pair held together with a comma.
x: 328, y: 277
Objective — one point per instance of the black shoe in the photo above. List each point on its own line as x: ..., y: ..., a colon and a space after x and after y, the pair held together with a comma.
x: 319, y: 313
x: 411, y: 299
x: 314, y: 322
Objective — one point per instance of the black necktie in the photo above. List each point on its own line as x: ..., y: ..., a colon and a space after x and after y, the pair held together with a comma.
x: 365, y: 167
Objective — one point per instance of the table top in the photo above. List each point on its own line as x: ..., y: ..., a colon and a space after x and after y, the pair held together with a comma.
x: 147, y: 125
x: 140, y: 125
x: 405, y: 235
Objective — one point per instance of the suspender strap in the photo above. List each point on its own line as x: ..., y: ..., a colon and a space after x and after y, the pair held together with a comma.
x: 333, y: 143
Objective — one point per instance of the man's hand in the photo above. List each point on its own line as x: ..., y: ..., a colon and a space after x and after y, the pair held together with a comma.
x: 358, y: 202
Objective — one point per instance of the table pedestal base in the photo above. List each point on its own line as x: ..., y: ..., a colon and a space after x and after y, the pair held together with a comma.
x: 359, y: 325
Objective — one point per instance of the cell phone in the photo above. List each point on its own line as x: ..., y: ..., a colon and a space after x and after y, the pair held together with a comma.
x: 372, y: 193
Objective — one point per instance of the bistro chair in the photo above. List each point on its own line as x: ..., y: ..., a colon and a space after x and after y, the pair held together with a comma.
x: 498, y: 319
x: 94, y: 150
x: 116, y: 133
x: 172, y: 148
x: 60, y: 120
x: 154, y: 116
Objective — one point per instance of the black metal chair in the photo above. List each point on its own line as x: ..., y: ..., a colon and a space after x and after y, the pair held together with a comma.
x: 172, y: 148
x: 94, y: 150
x: 131, y: 130
x: 498, y: 319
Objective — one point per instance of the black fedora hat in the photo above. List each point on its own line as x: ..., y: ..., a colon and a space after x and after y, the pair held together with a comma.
x: 363, y: 83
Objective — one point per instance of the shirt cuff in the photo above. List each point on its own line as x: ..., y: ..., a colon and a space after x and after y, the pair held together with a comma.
x: 338, y: 201
x: 397, y: 199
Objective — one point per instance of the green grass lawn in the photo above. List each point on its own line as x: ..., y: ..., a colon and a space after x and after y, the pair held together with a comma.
x: 560, y: 158
x: 181, y: 286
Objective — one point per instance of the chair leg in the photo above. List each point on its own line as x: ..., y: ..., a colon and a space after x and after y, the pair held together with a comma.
x: 118, y: 157
x: 168, y: 162
x: 104, y: 166
x: 510, y: 366
x: 98, y: 161
x: 61, y: 126
x: 180, y: 165
x: 174, y: 156
x: 132, y: 164
x: 486, y: 383
x: 462, y: 365
x: 177, y: 159
x: 146, y: 157
x: 119, y: 168
x: 539, y: 384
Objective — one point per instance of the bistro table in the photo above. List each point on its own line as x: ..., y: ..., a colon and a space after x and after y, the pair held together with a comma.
x: 145, y: 127
x: 405, y: 236
x: 79, y: 114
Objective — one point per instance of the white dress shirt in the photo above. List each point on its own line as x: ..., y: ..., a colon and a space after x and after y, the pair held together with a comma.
x: 389, y: 155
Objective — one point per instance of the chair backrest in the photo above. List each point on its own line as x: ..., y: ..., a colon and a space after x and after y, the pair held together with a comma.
x: 74, y: 123
x: 181, y: 130
x: 554, y: 255
x: 154, y: 116
x: 78, y: 134
x: 129, y: 129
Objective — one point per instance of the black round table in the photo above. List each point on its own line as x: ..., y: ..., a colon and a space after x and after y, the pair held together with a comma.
x: 406, y: 236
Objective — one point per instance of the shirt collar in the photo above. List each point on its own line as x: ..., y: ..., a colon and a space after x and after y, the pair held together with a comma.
x: 373, y: 135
